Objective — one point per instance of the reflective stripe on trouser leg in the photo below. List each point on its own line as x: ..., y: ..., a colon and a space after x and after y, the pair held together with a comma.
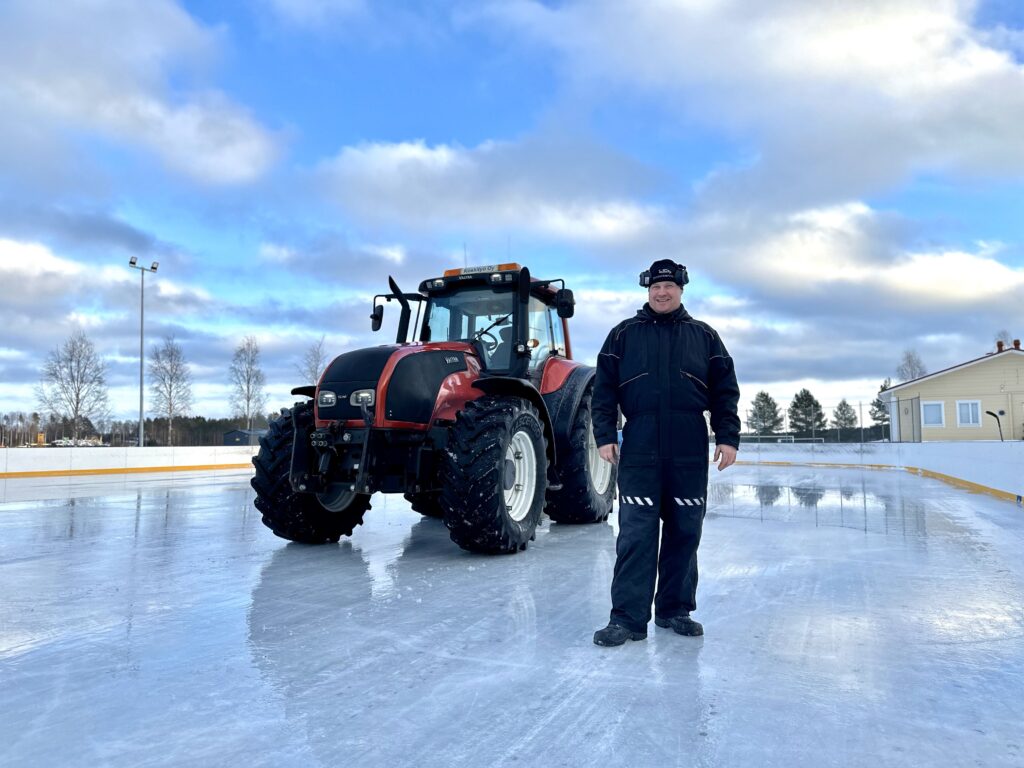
x: 683, y: 516
x: 636, y: 562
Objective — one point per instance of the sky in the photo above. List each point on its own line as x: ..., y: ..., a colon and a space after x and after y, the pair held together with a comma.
x: 843, y: 180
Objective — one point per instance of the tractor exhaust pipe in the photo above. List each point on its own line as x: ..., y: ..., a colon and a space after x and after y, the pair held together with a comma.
x: 403, y: 320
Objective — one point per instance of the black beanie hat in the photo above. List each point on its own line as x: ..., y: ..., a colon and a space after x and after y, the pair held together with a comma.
x: 666, y: 269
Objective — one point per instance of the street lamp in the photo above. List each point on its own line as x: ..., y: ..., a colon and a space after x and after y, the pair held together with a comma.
x: 133, y: 263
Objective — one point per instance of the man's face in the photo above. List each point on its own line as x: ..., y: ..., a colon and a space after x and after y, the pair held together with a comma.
x: 664, y: 296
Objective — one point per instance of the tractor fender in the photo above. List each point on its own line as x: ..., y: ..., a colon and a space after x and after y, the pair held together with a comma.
x: 506, y: 385
x: 564, y: 402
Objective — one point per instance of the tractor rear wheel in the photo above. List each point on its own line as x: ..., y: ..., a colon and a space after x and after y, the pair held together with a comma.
x: 588, y: 481
x: 299, y: 516
x: 494, y: 475
x: 427, y: 504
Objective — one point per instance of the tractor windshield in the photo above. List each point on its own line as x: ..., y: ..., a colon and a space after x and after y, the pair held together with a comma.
x: 482, y: 314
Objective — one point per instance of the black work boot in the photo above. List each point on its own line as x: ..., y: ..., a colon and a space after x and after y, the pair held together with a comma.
x: 683, y: 625
x: 615, y: 634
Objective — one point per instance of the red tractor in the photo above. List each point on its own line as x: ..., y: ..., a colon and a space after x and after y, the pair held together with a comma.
x: 483, y: 421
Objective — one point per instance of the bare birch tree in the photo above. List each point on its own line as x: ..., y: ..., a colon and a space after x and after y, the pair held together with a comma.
x: 170, y: 383
x: 313, y: 363
x: 248, y: 380
x: 73, y: 383
x: 911, y: 366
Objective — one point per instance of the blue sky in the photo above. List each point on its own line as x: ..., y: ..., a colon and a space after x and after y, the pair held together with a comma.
x: 844, y: 181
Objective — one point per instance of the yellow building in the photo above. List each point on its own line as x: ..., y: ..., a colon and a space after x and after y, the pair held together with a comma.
x: 957, y: 403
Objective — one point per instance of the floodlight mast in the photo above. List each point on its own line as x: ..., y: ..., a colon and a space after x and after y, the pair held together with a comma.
x: 133, y: 263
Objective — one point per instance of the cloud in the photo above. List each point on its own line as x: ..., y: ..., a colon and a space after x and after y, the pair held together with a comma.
x: 851, y: 258
x: 569, y: 191
x: 110, y: 70
x: 837, y: 293
x: 87, y: 228
x: 56, y: 295
x: 272, y: 253
x: 325, y: 264
x: 312, y: 14
x: 840, y: 100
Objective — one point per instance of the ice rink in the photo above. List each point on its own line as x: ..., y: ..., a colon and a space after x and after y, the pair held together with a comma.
x: 852, y: 618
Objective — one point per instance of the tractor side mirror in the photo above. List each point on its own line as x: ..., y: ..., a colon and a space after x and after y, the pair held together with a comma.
x: 524, y: 285
x: 377, y: 317
x: 565, y: 303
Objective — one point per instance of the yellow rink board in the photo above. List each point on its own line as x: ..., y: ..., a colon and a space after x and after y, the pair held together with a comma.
x: 119, y: 470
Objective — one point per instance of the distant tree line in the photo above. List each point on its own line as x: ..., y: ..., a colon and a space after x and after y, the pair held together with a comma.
x: 73, y: 403
x: 18, y: 428
x: 73, y: 407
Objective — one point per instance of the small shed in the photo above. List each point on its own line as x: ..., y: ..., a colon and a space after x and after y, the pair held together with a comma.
x: 970, y: 401
x: 244, y: 436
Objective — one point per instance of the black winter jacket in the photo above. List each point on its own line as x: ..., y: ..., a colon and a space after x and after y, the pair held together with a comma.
x: 664, y: 372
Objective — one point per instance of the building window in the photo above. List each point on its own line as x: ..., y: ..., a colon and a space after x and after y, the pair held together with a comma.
x: 933, y: 413
x: 968, y: 413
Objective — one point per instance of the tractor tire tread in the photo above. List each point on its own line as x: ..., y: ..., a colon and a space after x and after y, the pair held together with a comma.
x: 471, y: 496
x: 295, y: 516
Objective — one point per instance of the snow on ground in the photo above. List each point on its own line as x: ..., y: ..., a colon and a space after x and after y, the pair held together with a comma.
x: 853, y: 618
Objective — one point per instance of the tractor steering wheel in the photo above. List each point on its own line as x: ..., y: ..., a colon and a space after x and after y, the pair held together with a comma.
x: 489, y: 340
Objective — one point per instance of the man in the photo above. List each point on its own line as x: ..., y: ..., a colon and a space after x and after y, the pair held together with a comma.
x: 663, y: 369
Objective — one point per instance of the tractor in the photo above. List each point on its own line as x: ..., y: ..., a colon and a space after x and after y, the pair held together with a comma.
x: 483, y: 420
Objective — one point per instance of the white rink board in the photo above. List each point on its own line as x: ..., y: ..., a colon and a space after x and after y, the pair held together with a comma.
x: 74, y: 460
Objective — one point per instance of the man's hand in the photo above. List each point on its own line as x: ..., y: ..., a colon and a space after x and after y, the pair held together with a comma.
x: 725, y: 455
x: 610, y: 453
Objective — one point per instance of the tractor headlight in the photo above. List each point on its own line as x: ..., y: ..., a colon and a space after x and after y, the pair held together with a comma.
x: 326, y: 398
x: 438, y: 284
x: 362, y: 397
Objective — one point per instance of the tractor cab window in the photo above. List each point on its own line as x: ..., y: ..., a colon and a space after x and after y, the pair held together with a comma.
x: 545, y: 333
x: 481, y: 314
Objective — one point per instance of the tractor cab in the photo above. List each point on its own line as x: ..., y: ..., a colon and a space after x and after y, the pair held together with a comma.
x: 513, y: 322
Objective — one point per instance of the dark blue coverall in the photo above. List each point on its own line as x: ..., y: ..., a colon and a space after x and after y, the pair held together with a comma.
x: 663, y: 371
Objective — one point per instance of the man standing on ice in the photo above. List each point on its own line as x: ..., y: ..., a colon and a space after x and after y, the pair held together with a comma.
x: 664, y: 370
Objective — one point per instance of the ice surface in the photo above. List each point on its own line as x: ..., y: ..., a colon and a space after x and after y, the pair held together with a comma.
x: 853, y: 618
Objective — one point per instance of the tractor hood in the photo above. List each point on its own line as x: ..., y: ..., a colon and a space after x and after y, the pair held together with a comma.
x: 405, y: 379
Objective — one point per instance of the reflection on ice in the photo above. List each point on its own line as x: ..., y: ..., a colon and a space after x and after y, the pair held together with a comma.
x: 843, y: 506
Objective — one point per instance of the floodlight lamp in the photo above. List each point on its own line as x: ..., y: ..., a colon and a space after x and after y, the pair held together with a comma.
x: 155, y: 265
x: 132, y: 261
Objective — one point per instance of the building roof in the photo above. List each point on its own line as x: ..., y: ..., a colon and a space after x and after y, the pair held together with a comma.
x: 968, y: 364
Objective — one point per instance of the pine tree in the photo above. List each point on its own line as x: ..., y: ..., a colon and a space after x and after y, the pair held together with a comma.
x: 805, y: 413
x: 844, y: 417
x: 765, y: 418
x: 880, y: 408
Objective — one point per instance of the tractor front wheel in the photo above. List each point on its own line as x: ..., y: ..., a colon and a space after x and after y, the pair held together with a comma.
x: 495, y: 475
x: 299, y: 516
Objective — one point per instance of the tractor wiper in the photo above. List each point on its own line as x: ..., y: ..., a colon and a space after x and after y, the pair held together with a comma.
x: 503, y: 318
